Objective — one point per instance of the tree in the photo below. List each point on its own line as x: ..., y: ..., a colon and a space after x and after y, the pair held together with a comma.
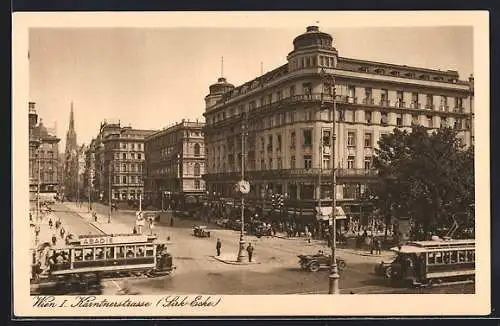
x: 426, y: 176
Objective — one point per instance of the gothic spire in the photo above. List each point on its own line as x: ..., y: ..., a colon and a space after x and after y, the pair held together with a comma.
x: 71, y: 118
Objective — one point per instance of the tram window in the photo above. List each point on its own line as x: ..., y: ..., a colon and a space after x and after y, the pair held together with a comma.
x: 439, y: 257
x: 130, y: 252
x: 149, y: 251
x: 470, y: 255
x: 99, y: 253
x: 461, y: 256
x: 139, y: 251
x: 78, y: 255
x: 110, y: 252
x: 88, y: 254
x: 446, y: 257
x: 121, y: 252
x: 431, y: 258
x: 453, y: 257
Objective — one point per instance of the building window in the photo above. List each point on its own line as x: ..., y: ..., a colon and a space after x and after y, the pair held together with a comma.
x: 117, y: 179
x: 326, y: 137
x: 368, y: 117
x: 196, y: 149
x: 384, y: 95
x: 368, y: 95
x: 368, y: 162
x: 307, y: 133
x: 196, y: 184
x: 350, y: 162
x: 399, y: 120
x: 383, y: 119
x: 271, y: 164
x: 132, y: 155
x: 414, y: 119
x: 292, y: 90
x: 280, y: 163
x: 278, y: 137
x: 124, y: 156
x: 292, y: 139
x: 124, y: 179
x: 399, y: 98
x: 270, y: 143
x: 307, y: 88
x: 124, y: 168
x: 351, y: 139
x: 351, y: 191
x: 458, y: 104
x: 292, y: 162
x: 292, y: 117
x: 197, y: 169
x: 270, y: 98
x: 133, y: 146
x: 444, y: 123
x: 132, y: 179
x: 429, y: 121
x: 326, y: 161
x: 307, y: 161
x: 139, y: 156
x: 279, y: 95
x: 429, y: 101
x: 350, y: 93
x: 368, y: 140
x: 414, y: 99
x: 262, y: 143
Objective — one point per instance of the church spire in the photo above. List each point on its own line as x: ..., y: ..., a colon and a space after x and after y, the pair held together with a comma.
x: 71, y: 118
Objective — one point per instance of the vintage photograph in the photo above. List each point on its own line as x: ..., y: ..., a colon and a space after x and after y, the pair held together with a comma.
x: 301, y: 159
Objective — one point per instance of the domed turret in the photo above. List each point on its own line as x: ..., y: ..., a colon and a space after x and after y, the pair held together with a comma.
x: 312, y: 38
x: 216, y: 91
x: 312, y: 49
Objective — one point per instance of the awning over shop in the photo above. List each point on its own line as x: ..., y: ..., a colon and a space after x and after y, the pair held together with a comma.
x: 323, y: 213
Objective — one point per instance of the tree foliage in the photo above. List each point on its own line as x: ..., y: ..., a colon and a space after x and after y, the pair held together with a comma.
x: 426, y: 176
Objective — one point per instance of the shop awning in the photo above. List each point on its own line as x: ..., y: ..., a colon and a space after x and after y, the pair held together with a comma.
x: 323, y: 213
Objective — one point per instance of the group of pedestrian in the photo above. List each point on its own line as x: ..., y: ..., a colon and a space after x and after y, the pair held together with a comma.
x: 250, y: 249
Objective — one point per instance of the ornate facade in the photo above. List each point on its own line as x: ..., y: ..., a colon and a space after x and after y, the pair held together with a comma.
x: 288, y: 117
x: 43, y: 156
x: 115, y: 161
x: 175, y: 163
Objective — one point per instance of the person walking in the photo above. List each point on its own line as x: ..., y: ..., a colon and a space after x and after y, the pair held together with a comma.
x: 218, y: 246
x: 250, y: 252
x: 62, y: 232
x: 378, y: 246
x: 54, y: 239
x: 50, y: 223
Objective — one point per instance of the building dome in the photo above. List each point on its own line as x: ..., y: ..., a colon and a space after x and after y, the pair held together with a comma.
x: 221, y: 87
x: 313, y: 38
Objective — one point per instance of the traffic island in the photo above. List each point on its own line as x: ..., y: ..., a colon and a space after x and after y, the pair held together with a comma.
x: 232, y: 259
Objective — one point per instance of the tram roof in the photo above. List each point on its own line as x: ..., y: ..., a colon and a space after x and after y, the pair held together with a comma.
x: 425, y: 246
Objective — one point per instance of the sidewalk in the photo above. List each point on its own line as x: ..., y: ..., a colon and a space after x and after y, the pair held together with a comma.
x: 232, y: 259
x: 46, y: 232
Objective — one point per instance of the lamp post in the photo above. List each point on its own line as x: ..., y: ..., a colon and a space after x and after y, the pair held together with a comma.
x: 333, y: 284
x: 242, y: 190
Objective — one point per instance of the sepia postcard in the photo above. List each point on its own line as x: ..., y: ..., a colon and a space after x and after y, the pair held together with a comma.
x: 176, y: 164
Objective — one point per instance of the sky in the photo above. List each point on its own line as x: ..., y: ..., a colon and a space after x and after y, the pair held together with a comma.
x: 150, y: 78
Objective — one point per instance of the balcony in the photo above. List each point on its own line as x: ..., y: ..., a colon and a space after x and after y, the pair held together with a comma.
x: 286, y: 174
x: 369, y: 101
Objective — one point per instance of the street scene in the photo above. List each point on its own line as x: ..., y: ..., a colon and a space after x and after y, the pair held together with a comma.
x: 322, y: 174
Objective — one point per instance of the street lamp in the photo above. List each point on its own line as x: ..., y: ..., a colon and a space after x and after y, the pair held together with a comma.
x: 333, y: 285
x: 243, y: 188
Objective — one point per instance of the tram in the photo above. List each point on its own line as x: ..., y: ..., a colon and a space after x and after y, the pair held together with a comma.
x: 422, y: 263
x: 92, y: 257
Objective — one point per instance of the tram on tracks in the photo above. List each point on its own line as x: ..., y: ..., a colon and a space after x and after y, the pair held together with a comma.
x: 89, y: 258
x: 426, y: 263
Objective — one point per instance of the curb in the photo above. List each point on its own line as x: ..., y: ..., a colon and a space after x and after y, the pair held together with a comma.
x: 360, y: 253
x: 230, y: 262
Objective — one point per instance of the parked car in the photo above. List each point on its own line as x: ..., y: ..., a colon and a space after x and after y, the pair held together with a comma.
x: 314, y: 263
x: 201, y: 231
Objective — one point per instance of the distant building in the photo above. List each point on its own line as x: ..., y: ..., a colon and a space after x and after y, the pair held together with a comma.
x: 289, y: 111
x: 43, y: 156
x: 175, y: 163
x: 114, y: 162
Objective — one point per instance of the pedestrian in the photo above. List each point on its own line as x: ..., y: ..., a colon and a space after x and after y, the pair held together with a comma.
x: 50, y: 223
x: 172, y: 221
x: 37, y: 230
x: 54, y: 239
x: 62, y: 232
x: 250, y: 252
x: 218, y: 246
x: 151, y: 227
x: 378, y: 246
x: 134, y: 231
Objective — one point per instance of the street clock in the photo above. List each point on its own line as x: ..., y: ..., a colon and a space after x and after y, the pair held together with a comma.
x: 243, y: 186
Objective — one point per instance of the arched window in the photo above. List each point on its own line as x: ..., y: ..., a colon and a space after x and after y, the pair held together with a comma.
x: 197, y: 149
x: 197, y: 169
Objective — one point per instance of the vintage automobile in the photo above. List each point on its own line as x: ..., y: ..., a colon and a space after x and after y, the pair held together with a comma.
x: 201, y: 231
x: 263, y: 231
x: 314, y: 263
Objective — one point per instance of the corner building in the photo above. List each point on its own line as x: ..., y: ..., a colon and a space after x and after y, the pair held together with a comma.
x: 288, y: 118
x: 175, y: 163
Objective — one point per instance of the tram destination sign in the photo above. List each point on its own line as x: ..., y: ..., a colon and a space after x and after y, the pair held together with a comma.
x: 111, y: 239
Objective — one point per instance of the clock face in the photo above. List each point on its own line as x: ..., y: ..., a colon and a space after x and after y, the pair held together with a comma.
x: 244, y: 187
